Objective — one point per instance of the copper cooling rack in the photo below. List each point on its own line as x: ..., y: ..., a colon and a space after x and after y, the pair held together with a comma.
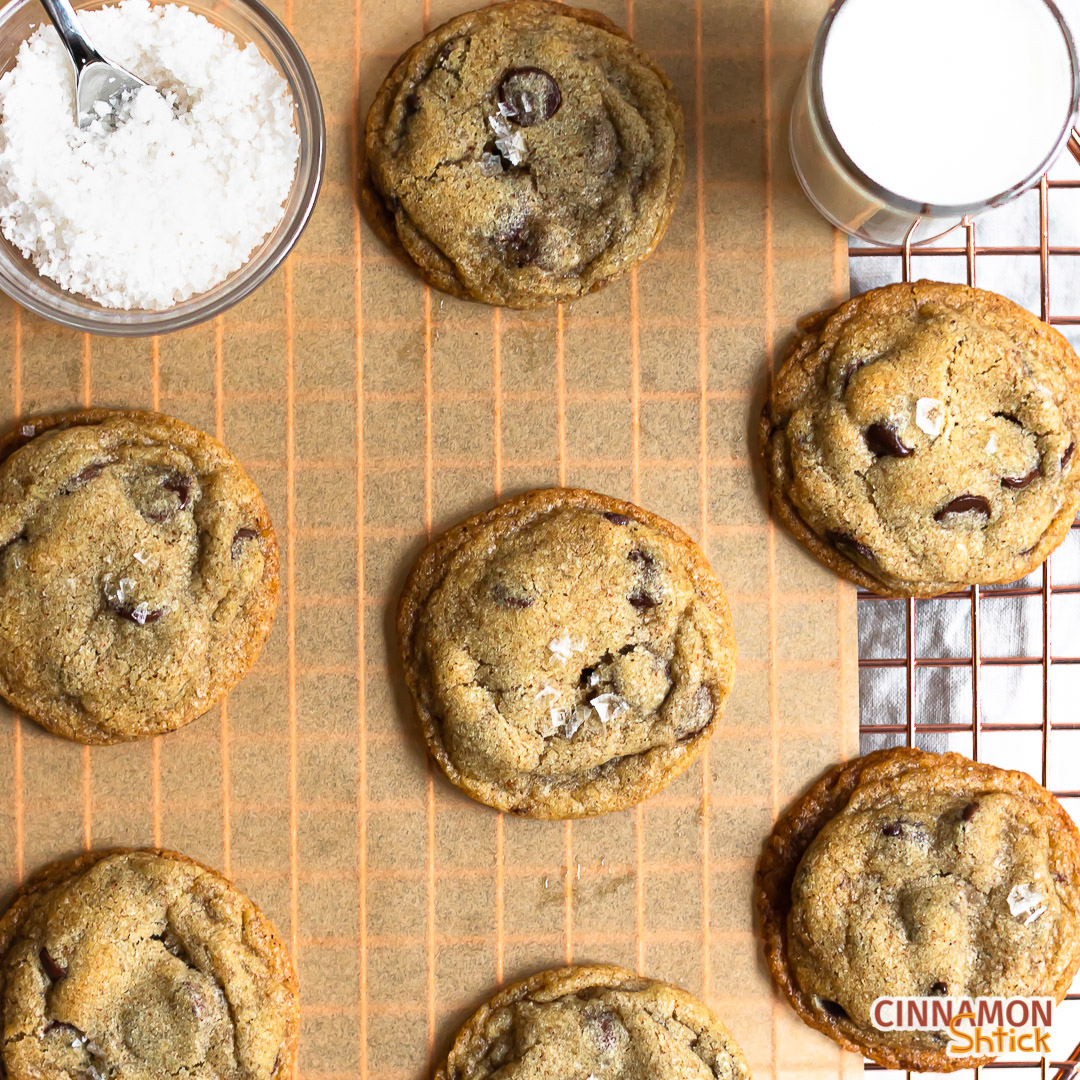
x: 914, y: 729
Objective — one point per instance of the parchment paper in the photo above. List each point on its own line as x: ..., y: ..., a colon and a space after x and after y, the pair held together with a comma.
x: 372, y: 412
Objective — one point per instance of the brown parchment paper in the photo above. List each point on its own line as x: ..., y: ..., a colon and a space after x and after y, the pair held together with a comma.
x: 372, y: 412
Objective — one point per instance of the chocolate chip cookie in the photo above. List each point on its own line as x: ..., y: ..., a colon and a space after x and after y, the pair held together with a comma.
x: 140, y: 965
x: 922, y: 438
x: 138, y: 573
x: 524, y: 154
x: 904, y: 873
x: 600, y: 1021
x: 569, y: 654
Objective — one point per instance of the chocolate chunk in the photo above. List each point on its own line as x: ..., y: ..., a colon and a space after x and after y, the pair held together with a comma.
x: 172, y: 944
x: 502, y: 595
x: 85, y: 475
x: 969, y: 811
x: 604, y: 1028
x: 528, y: 96
x: 55, y: 971
x: 834, y: 1009
x: 240, y: 537
x: 180, y: 486
x: 883, y: 441
x: 642, y: 558
x: 849, y: 546
x: 642, y: 601
x: 940, y: 989
x: 139, y: 614
x: 520, y: 245
x: 701, y: 712
x: 617, y: 519
x: 452, y: 55
x: 1067, y: 456
x: 964, y: 504
x: 849, y: 374
x: 893, y: 828
x: 1019, y: 482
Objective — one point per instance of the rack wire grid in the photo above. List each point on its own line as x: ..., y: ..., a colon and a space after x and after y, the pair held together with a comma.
x: 935, y: 668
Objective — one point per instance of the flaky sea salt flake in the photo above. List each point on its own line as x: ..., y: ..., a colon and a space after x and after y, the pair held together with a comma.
x: 490, y: 164
x: 1025, y: 900
x: 564, y: 646
x: 992, y: 443
x: 930, y: 415
x: 512, y: 147
x: 608, y: 706
x: 548, y: 693
x: 577, y: 716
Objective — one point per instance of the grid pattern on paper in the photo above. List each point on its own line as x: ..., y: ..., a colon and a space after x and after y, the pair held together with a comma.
x: 1039, y: 736
x: 373, y: 412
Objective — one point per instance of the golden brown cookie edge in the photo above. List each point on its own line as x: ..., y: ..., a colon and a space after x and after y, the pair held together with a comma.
x: 807, y: 341
x: 558, y: 982
x: 273, y: 950
x: 427, y: 573
x: 439, y: 271
x: 265, y: 603
x: 793, y: 833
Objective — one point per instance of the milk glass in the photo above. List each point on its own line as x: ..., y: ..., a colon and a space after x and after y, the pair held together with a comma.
x: 858, y: 204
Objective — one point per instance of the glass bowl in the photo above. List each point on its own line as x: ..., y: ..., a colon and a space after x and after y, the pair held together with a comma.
x: 247, y: 21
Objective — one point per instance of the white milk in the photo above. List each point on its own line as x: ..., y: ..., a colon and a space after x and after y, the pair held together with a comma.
x: 946, y: 102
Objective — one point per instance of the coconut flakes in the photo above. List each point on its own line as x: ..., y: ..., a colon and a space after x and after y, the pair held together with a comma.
x: 930, y: 415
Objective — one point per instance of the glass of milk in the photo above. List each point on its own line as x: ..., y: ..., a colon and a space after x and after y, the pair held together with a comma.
x: 931, y: 111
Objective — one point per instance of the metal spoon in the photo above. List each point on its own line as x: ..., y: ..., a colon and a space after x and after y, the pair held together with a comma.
x: 96, y: 79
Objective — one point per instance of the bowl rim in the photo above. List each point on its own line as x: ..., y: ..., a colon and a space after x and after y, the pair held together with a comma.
x: 28, y: 289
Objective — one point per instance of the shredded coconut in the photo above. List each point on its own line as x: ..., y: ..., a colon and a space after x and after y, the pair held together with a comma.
x: 930, y: 415
x: 1025, y: 900
x: 174, y: 200
x: 608, y: 706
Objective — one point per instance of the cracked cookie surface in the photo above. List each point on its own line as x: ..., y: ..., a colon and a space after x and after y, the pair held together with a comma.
x: 905, y: 873
x: 603, y: 1022
x: 922, y: 438
x: 138, y: 573
x: 140, y: 965
x: 523, y: 154
x: 569, y: 654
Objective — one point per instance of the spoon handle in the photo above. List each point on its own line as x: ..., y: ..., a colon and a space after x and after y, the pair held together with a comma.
x: 71, y: 33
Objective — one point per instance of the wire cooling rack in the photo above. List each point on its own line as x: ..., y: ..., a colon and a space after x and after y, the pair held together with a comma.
x: 986, y: 671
